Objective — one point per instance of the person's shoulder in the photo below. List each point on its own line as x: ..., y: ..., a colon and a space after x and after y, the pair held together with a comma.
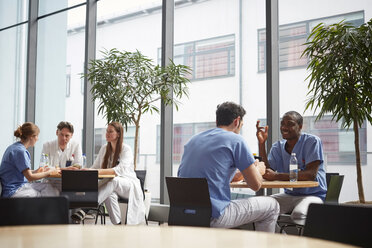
x: 74, y: 143
x: 310, y: 137
x: 17, y: 146
x: 279, y: 143
x: 16, y: 149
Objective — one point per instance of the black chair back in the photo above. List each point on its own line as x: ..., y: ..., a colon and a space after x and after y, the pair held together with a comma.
x: 349, y: 224
x: 81, y: 187
x: 190, y: 203
x: 141, y: 175
x: 334, y: 188
x: 34, y: 211
x: 328, y: 176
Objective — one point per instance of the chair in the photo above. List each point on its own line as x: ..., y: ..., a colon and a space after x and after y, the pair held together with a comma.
x: 81, y: 188
x: 123, y: 202
x: 349, y: 224
x: 334, y: 185
x: 158, y: 213
x: 34, y: 211
x: 190, y: 203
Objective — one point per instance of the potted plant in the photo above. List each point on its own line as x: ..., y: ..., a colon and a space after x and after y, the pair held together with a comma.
x: 340, y: 79
x: 127, y: 85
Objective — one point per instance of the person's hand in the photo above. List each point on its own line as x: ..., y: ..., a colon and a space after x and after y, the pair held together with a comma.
x: 262, y: 133
x: 71, y: 168
x: 269, y: 175
x: 260, y: 167
x: 54, y: 171
x: 42, y: 169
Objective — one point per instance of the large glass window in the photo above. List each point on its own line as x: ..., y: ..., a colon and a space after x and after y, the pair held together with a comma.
x: 131, y: 26
x: 227, y: 59
x: 13, y: 12
x: 49, y: 6
x: 292, y: 38
x: 210, y: 58
x: 12, y: 81
x: 13, y: 50
x: 60, y: 62
x: 338, y: 143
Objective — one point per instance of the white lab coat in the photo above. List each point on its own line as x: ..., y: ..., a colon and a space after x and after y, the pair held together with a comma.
x: 125, y: 184
x: 57, y: 157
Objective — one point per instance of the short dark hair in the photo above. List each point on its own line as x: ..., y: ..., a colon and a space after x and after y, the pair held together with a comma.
x: 65, y: 124
x: 227, y: 112
x: 296, y: 116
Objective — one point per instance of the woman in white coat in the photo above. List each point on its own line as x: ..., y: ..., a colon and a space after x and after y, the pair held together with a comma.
x: 116, y: 158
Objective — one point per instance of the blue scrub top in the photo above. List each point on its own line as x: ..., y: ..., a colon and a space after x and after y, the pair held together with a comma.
x: 308, y: 148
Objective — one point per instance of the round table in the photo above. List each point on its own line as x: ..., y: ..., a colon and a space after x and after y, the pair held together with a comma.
x: 278, y: 184
x: 91, y: 236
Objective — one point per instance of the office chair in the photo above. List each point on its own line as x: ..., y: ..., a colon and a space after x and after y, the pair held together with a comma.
x: 349, y: 224
x: 334, y: 185
x: 34, y: 211
x: 190, y: 203
x: 81, y: 188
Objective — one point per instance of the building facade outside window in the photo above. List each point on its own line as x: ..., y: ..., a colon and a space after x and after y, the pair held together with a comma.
x: 292, y: 38
x: 208, y: 59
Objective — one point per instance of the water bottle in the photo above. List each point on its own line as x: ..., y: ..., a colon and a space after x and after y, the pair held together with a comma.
x: 46, y: 160
x: 293, y: 168
x: 42, y: 160
x: 84, y: 161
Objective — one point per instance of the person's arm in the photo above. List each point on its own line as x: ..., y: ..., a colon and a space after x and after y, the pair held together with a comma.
x: 108, y: 171
x: 310, y: 172
x: 262, y: 134
x: 40, y: 173
x: 253, y: 175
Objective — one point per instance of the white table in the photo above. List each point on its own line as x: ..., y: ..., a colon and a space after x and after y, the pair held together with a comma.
x: 96, y: 236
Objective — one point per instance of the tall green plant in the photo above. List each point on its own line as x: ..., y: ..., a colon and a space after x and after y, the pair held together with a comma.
x: 127, y: 85
x: 340, y: 79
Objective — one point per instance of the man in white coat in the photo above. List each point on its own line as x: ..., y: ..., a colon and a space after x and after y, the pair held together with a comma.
x: 63, y: 152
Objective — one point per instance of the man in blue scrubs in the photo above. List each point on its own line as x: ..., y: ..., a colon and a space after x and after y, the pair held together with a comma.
x: 215, y: 155
x: 309, y: 153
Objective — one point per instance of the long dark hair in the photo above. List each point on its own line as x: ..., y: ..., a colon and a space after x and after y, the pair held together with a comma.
x: 119, y: 144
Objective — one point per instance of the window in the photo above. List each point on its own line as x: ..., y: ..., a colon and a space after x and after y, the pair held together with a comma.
x: 292, y: 38
x: 338, y: 143
x: 181, y: 135
x: 210, y: 58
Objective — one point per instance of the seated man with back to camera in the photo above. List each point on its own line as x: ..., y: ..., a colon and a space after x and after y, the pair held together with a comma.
x: 309, y: 152
x: 215, y: 155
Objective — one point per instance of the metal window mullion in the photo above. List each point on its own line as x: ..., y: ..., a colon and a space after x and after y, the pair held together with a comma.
x: 272, y: 72
x: 166, y: 122
x: 90, y: 53
x: 31, y: 67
